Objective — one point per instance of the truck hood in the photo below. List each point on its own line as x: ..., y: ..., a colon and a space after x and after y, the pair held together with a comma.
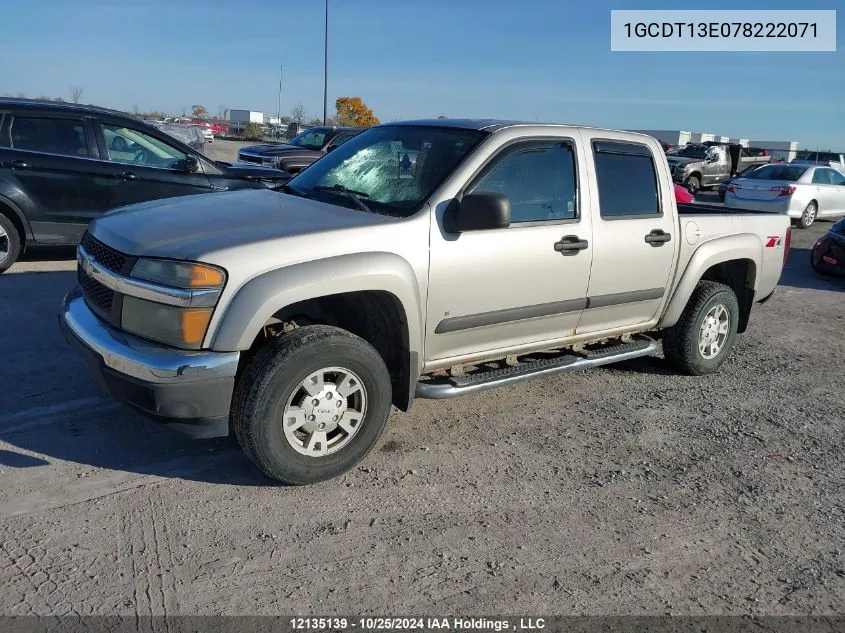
x: 674, y: 161
x: 190, y: 227
x: 279, y: 150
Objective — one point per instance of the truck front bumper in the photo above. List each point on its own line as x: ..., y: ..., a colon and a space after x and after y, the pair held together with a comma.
x: 178, y: 385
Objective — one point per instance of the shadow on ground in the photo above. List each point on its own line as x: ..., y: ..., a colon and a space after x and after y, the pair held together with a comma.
x: 800, y: 274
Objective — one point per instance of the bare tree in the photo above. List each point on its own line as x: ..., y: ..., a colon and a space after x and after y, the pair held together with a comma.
x: 76, y: 93
x: 298, y: 113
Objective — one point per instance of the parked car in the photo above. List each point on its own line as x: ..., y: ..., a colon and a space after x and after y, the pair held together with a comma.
x: 723, y: 188
x: 61, y: 165
x: 683, y: 195
x: 300, y: 151
x: 828, y: 254
x: 396, y: 267
x: 189, y: 135
x: 827, y: 159
x: 704, y: 165
x: 803, y: 192
x: 207, y: 135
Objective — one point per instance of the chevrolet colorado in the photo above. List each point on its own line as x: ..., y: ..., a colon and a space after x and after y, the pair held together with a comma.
x: 420, y: 259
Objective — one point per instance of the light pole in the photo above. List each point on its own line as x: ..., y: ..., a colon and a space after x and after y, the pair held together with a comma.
x: 279, y: 115
x: 326, y: 67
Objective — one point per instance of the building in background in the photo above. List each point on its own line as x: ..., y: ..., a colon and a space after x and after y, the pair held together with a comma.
x: 239, y: 118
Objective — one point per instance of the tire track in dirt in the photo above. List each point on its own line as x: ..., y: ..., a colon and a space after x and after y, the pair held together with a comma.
x: 146, y: 551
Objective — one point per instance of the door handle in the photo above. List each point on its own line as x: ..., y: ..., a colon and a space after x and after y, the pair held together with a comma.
x: 657, y: 237
x: 20, y: 164
x: 570, y: 245
x: 127, y: 175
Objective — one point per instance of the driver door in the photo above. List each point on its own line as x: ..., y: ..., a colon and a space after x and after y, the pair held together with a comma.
x: 148, y: 166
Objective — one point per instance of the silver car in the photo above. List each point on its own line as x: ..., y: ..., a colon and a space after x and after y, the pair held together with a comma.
x: 803, y: 192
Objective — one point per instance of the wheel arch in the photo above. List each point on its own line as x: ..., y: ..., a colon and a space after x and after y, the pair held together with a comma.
x: 373, y: 295
x: 734, y: 260
x: 16, y: 215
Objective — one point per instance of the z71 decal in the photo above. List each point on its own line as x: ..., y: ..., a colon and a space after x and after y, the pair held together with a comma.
x: 773, y: 241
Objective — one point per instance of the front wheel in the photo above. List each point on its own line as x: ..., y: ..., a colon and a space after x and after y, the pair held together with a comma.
x: 311, y: 404
x: 702, y: 338
x: 693, y: 184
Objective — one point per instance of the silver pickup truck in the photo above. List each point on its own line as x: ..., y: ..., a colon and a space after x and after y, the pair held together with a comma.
x: 421, y: 259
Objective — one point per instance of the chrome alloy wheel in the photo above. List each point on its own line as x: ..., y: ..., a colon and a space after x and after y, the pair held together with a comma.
x: 714, y: 331
x: 4, y: 245
x: 325, y: 411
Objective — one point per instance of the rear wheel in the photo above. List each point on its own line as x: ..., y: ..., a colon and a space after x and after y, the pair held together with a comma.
x: 311, y: 404
x: 702, y: 338
x: 693, y: 184
x: 808, y: 216
x: 10, y: 243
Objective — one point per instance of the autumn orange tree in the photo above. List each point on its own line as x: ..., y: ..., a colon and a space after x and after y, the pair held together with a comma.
x: 353, y: 111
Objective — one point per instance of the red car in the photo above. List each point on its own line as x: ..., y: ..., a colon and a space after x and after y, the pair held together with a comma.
x: 682, y: 195
x: 216, y: 128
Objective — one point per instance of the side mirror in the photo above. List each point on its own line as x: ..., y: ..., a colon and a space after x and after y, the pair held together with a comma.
x: 481, y: 211
x: 192, y: 165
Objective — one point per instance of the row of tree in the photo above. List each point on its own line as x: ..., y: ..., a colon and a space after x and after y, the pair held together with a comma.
x: 75, y: 96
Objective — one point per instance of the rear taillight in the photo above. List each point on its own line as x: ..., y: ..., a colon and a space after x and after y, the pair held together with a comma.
x: 784, y: 190
x: 787, y: 242
x: 733, y: 188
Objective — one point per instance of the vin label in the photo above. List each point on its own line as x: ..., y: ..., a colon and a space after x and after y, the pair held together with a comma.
x: 717, y: 30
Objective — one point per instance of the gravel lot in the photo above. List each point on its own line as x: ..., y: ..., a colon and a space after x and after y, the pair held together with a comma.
x: 621, y: 490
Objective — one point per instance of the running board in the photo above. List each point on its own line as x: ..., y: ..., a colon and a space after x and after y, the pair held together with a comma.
x: 475, y: 382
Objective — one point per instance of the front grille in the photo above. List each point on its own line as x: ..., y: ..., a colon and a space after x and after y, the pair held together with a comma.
x: 96, y: 294
x: 102, y: 254
x: 251, y: 159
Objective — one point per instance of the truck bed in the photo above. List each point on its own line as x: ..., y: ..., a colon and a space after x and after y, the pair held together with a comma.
x: 696, y: 208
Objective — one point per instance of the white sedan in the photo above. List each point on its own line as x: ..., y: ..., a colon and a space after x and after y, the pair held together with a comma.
x: 803, y: 192
x: 207, y: 135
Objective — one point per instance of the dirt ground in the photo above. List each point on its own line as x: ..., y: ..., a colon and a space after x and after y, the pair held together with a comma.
x: 620, y: 490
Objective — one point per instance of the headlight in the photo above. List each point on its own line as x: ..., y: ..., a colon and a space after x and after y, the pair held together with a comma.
x: 178, y: 310
x: 180, y: 327
x: 179, y: 274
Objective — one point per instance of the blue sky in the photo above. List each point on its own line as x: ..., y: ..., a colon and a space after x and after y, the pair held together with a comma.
x: 548, y: 60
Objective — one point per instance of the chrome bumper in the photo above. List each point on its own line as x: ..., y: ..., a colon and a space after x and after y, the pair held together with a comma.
x: 160, y: 380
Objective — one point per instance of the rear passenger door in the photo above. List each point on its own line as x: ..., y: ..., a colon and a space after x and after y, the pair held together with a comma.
x: 51, y: 157
x: 837, y: 196
x: 634, y: 234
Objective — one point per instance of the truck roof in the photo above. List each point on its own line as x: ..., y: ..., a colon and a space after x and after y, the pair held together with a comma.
x: 493, y: 125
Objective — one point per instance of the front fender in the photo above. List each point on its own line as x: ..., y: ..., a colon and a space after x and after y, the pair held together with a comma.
x: 722, y: 249
x: 260, y: 298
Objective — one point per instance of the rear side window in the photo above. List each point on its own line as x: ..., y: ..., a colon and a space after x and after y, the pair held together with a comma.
x: 627, y: 180
x: 52, y: 136
x: 836, y: 178
x: 790, y: 173
x: 539, y: 180
x: 821, y: 177
x: 829, y: 157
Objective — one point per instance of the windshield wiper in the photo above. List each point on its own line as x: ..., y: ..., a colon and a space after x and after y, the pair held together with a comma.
x: 349, y: 193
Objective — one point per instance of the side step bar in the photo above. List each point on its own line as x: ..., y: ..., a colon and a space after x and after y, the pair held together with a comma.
x: 473, y: 383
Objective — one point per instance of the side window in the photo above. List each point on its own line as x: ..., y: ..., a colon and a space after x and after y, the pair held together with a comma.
x: 539, y: 179
x: 52, y: 136
x: 338, y: 140
x: 821, y: 177
x: 126, y: 145
x: 627, y: 179
x: 836, y: 178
